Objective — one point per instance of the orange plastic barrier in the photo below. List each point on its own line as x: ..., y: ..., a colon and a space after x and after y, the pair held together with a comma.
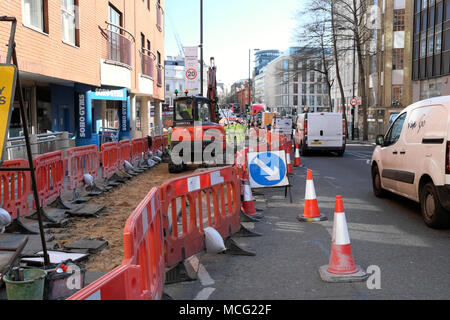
x: 165, y: 140
x: 50, y: 173
x: 137, y: 149
x: 15, y: 187
x: 123, y: 283
x: 144, y: 245
x: 157, y: 143
x: 145, y: 147
x: 211, y: 198
x: 124, y: 152
x: 110, y: 159
x: 81, y: 161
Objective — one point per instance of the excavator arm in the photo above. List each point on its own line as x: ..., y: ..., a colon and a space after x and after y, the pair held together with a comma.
x: 212, y: 91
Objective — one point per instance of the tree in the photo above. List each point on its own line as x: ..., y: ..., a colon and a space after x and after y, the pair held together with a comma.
x: 314, y: 39
x: 351, y: 28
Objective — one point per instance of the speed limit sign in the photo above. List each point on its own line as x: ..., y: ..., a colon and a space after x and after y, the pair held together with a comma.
x: 354, y: 102
x: 191, y: 74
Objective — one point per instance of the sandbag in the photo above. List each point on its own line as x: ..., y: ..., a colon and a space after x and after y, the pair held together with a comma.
x: 214, y: 241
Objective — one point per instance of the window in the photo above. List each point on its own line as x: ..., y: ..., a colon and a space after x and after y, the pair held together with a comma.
x: 295, y: 100
x: 114, y: 17
x: 311, y: 88
x: 303, y: 100
x: 319, y: 100
x: 397, y: 92
x: 184, y: 111
x: 295, y: 88
x: 70, y: 33
x: 399, y: 20
x: 34, y: 14
x: 397, y: 59
x: 167, y: 87
x: 304, y: 89
x: 395, y: 131
x: 311, y: 100
x: 142, y: 42
x: 203, y: 110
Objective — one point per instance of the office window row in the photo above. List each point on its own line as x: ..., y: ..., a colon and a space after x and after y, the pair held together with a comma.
x: 431, y: 39
x: 35, y: 16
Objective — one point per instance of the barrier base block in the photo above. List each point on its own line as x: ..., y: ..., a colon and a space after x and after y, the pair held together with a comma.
x: 316, y: 219
x: 179, y: 273
x: 358, y: 276
x: 246, y: 233
x: 60, y: 204
x: 77, y: 198
x: 246, y: 218
x: 236, y: 250
x: 117, y: 178
x: 23, y: 226
x: 45, y: 216
x: 166, y: 296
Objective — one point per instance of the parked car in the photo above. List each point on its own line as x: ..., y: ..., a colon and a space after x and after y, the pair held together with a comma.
x: 320, y: 131
x: 413, y: 159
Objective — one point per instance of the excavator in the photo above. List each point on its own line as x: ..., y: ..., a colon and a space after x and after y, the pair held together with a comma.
x: 196, y: 127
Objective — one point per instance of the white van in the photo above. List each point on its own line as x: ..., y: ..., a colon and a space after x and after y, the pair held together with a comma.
x: 320, y: 131
x: 413, y: 159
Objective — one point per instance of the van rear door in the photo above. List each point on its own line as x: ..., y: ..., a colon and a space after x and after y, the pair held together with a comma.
x: 325, y: 130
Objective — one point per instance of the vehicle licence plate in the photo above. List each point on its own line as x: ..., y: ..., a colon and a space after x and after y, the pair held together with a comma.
x: 315, y: 143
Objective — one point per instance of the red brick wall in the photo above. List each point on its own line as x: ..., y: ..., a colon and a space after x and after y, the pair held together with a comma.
x: 46, y: 54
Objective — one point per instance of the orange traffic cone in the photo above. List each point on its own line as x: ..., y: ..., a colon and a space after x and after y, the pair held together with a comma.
x: 297, y: 159
x: 248, y: 206
x: 311, y: 211
x: 289, y: 164
x: 341, y: 267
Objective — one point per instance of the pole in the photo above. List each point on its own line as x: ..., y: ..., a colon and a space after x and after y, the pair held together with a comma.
x: 354, y: 75
x: 249, y: 90
x: 201, y: 47
x: 27, y: 138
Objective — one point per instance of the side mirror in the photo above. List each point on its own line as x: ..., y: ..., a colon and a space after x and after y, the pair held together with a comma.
x: 380, y: 140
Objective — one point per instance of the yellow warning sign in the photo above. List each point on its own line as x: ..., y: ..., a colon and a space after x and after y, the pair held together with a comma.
x: 7, y: 90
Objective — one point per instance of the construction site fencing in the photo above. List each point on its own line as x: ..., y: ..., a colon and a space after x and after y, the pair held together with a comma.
x: 209, y: 199
x: 137, y: 149
x: 110, y: 159
x: 81, y: 161
x: 50, y: 175
x: 15, y: 188
x: 124, y: 152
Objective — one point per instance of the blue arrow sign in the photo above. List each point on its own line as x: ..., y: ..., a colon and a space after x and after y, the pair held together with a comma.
x: 267, y: 169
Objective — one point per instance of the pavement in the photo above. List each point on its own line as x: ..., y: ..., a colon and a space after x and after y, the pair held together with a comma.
x: 404, y: 258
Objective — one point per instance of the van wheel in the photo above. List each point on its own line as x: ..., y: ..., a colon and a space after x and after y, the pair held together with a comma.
x: 376, y: 183
x: 434, y: 215
x: 340, y: 153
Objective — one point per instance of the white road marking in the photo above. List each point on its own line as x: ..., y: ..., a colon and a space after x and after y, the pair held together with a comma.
x: 204, y: 294
x: 202, y: 274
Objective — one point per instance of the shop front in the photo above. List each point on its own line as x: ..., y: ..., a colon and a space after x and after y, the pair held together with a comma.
x: 103, y: 115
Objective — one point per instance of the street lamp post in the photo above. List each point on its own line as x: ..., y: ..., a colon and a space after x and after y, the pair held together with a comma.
x: 201, y: 47
x: 249, y: 77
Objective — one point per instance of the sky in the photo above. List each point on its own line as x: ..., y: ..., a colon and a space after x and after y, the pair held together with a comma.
x: 230, y: 29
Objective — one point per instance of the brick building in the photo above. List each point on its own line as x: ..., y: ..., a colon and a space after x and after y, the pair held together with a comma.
x: 88, y: 65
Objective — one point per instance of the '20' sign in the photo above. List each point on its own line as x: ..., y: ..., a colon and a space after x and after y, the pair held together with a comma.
x: 191, y: 74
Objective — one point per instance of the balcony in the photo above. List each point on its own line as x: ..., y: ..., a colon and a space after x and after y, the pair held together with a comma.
x: 159, y: 14
x: 148, y: 63
x: 119, y: 44
x: 117, y: 56
x: 147, y: 74
x: 159, y: 71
